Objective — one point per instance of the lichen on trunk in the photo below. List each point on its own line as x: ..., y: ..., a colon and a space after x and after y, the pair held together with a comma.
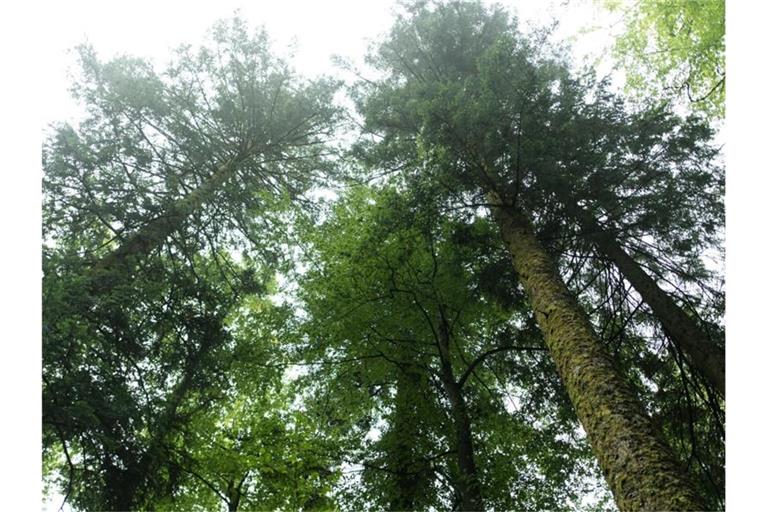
x: 639, y: 467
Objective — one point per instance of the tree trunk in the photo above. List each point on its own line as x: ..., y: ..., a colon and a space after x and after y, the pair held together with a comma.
x: 233, y: 495
x: 639, y: 467
x: 468, y: 485
x: 121, y: 487
x: 402, y: 463
x: 156, y: 231
x: 471, y: 499
x: 704, y: 354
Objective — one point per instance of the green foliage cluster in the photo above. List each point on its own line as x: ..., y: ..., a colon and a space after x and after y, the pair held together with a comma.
x: 395, y: 271
x: 674, y: 48
x: 158, y: 273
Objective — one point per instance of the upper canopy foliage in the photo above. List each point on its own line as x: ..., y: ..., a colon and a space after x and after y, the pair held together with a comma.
x: 674, y: 48
x: 228, y: 125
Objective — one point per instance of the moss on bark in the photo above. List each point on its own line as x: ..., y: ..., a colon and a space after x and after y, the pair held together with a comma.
x: 639, y: 467
x: 156, y: 231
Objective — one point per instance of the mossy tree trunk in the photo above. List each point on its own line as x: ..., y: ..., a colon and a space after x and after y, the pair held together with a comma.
x: 707, y: 357
x: 156, y: 231
x: 639, y: 467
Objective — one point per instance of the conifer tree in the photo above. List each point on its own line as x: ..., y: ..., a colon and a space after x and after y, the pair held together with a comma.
x: 463, y: 89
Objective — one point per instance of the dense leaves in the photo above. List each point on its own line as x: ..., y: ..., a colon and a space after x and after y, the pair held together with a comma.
x: 397, y: 274
x: 675, y: 48
x: 503, y: 117
x: 155, y: 206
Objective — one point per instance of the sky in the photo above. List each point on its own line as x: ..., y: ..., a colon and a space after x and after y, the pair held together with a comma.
x: 318, y: 30
x: 37, y: 37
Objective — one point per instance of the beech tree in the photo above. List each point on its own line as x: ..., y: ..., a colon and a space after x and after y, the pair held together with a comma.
x: 675, y: 49
x: 406, y: 304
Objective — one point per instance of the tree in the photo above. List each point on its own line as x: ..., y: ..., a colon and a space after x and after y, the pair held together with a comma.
x: 121, y: 373
x: 257, y: 449
x: 399, y: 299
x: 653, y: 181
x: 674, y: 48
x: 513, y: 254
x: 444, y: 96
x: 146, y: 204
x: 229, y: 127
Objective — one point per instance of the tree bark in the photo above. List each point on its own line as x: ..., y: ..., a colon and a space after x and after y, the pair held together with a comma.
x: 707, y: 357
x: 639, y: 467
x: 156, y: 231
x: 468, y: 484
x: 401, y: 457
x: 471, y: 498
x: 120, y: 488
x: 233, y: 495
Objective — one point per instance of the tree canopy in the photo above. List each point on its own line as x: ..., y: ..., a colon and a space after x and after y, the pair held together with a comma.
x: 674, y: 48
x: 502, y: 304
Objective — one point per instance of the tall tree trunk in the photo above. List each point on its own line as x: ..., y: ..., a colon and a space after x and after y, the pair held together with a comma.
x: 707, y: 357
x: 402, y: 463
x: 471, y: 498
x: 156, y: 231
x: 233, y: 494
x: 639, y: 467
x: 155, y: 455
x: 468, y: 484
x: 120, y: 488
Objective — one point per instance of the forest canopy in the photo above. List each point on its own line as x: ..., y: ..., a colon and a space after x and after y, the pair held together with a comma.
x: 472, y: 278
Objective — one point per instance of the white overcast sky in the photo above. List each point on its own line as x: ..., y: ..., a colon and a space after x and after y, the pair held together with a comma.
x: 36, y: 36
x: 319, y: 30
